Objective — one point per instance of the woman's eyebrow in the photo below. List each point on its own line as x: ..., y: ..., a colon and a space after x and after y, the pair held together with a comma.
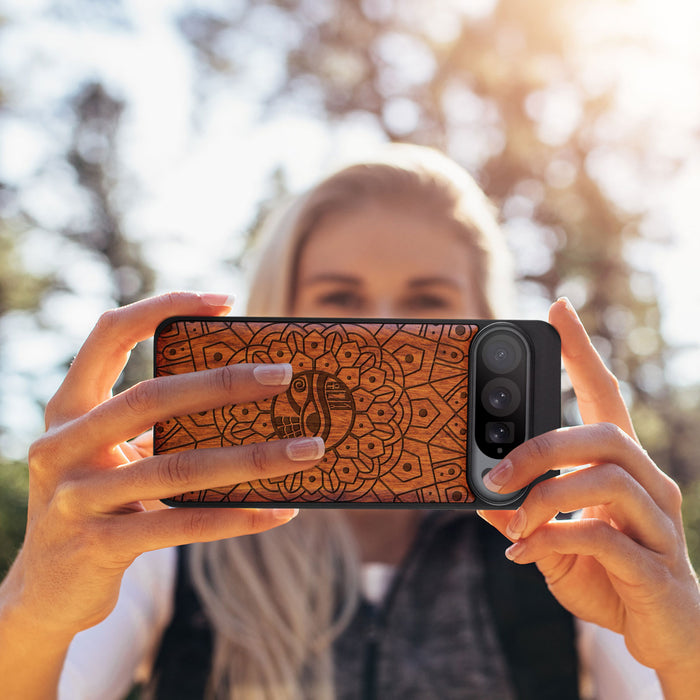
x: 433, y: 281
x: 333, y: 277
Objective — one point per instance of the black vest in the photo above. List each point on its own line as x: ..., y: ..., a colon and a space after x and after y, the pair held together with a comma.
x: 535, y: 635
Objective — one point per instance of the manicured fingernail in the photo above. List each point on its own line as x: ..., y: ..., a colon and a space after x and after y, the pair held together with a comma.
x: 516, y: 525
x: 569, y: 306
x: 515, y: 551
x: 304, y: 449
x: 499, y: 476
x: 276, y: 374
x: 218, y: 300
x: 285, y: 514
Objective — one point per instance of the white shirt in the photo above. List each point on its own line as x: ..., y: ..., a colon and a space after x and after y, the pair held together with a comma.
x: 104, y: 661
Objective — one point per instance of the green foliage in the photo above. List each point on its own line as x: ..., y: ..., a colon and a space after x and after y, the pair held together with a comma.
x: 18, y: 289
x: 14, y: 484
x: 691, y: 521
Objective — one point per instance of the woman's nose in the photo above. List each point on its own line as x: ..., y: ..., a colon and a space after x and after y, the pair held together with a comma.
x: 382, y: 308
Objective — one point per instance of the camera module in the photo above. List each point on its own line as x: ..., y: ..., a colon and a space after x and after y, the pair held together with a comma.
x: 504, y: 359
x: 500, y: 414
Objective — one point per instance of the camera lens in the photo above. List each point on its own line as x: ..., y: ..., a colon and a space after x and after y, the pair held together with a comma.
x: 502, y: 353
x: 501, y: 396
x: 499, y: 432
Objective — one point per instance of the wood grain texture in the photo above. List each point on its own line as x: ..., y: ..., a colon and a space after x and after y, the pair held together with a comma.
x: 389, y: 400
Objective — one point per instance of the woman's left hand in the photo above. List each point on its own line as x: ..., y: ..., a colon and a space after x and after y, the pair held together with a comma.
x: 623, y: 564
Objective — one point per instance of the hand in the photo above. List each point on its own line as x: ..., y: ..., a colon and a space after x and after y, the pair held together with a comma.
x: 624, y: 564
x: 88, y: 514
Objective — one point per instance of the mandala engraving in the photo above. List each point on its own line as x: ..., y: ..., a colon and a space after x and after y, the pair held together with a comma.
x: 388, y: 399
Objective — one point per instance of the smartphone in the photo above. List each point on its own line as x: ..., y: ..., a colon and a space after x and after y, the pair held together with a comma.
x: 413, y: 413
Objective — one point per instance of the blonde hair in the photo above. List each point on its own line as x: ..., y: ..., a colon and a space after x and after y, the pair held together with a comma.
x: 277, y: 600
x: 404, y: 175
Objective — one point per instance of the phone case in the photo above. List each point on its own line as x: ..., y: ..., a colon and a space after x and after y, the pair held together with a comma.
x: 390, y: 399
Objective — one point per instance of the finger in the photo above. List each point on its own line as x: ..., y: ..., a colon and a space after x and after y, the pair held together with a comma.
x: 596, y: 388
x: 131, y: 452
x: 583, y: 444
x: 102, y: 357
x: 165, y: 476
x: 497, y: 518
x: 138, y: 448
x: 143, y: 444
x: 618, y: 554
x: 606, y: 486
x: 156, y: 529
x: 138, y: 408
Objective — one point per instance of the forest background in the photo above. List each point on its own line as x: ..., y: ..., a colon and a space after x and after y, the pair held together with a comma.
x: 141, y: 142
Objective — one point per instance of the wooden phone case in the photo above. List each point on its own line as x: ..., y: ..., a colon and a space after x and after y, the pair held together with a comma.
x: 389, y: 398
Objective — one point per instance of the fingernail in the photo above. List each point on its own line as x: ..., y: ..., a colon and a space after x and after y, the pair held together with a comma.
x: 517, y: 525
x: 499, y: 476
x: 218, y: 300
x: 304, y: 449
x: 276, y: 374
x: 515, y: 550
x: 285, y: 514
x: 569, y: 306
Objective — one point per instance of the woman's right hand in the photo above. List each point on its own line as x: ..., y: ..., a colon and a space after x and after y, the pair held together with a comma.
x: 88, y: 513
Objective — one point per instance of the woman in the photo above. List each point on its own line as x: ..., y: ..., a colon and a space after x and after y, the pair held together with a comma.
x: 409, y: 236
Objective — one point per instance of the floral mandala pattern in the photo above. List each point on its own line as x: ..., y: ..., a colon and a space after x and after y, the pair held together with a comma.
x: 388, y: 399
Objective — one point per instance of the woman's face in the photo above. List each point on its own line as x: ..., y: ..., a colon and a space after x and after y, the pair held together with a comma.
x: 385, y: 261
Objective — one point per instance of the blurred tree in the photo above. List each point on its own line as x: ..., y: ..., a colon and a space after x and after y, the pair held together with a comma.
x: 501, y: 87
x: 94, y: 234
x: 19, y: 290
x: 94, y: 156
